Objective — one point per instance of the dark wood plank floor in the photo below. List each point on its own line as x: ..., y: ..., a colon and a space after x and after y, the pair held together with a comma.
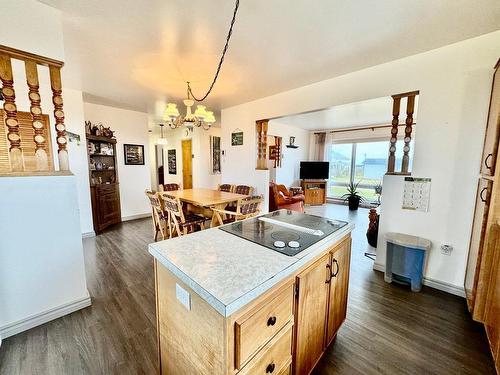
x: 389, y: 329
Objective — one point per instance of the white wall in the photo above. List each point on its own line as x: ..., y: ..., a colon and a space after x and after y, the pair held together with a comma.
x: 130, y: 127
x: 454, y: 83
x: 42, y: 275
x: 202, y: 176
x: 288, y: 173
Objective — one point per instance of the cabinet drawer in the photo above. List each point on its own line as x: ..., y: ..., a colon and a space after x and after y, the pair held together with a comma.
x: 253, y: 330
x: 275, y: 357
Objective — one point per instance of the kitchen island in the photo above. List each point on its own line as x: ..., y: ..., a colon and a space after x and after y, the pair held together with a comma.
x: 228, y: 305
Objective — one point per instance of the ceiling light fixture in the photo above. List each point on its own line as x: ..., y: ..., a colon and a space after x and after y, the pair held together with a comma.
x: 201, y: 117
x: 162, y: 140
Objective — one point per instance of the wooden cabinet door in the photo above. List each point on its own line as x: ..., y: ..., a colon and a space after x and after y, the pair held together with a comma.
x: 310, y: 316
x: 108, y: 206
x: 493, y: 129
x: 337, y: 305
x: 476, y: 241
x: 492, y: 313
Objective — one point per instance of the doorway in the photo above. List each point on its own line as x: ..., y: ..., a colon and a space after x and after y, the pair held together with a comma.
x: 187, y: 164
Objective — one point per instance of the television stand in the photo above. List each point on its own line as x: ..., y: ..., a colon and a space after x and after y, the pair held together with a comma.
x: 314, y: 191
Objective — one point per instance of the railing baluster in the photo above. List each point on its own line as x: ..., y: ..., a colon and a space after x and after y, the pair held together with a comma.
x: 391, y: 165
x: 55, y: 82
x: 9, y: 105
x: 410, y: 107
x: 42, y: 163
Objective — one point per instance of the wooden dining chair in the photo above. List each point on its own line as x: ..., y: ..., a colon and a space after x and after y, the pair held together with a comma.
x: 228, y: 188
x: 240, y: 189
x: 158, y: 214
x: 180, y: 222
x: 243, y: 189
x: 245, y: 208
x: 170, y: 187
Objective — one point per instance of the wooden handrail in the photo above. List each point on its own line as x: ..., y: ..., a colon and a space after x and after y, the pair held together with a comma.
x: 22, y: 55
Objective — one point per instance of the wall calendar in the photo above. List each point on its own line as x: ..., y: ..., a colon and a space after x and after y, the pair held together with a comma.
x: 416, y: 195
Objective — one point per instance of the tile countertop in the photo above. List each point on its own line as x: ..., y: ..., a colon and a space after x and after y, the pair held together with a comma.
x: 228, y: 271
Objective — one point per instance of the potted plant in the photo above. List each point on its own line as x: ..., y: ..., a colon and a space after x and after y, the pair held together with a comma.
x: 352, y: 196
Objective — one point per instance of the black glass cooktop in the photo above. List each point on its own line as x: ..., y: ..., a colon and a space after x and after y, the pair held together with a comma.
x: 287, y: 232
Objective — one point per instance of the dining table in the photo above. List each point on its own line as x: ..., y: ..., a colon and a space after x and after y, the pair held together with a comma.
x: 202, y: 200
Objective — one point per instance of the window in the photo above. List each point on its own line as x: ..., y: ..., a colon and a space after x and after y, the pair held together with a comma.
x: 363, y: 162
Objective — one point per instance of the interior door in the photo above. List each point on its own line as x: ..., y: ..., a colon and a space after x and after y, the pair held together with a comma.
x: 187, y: 164
x: 337, y: 306
x: 310, y: 317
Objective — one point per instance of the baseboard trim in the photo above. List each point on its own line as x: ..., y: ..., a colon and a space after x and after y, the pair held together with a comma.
x: 88, y: 234
x: 432, y: 283
x: 134, y: 217
x: 43, y: 317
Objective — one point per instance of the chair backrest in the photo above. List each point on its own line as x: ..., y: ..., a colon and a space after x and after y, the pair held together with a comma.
x: 157, y: 207
x: 228, y: 188
x: 170, y: 187
x: 243, y: 189
x: 249, y: 206
x: 173, y: 205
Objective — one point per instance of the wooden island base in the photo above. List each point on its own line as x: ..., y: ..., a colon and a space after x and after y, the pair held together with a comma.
x: 283, y: 331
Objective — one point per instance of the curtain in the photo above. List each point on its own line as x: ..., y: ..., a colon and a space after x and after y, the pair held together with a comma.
x: 319, y: 146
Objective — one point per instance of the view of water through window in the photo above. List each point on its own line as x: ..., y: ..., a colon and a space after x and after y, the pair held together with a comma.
x: 363, y: 162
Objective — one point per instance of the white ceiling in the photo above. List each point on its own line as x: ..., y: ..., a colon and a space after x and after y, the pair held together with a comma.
x: 138, y: 54
x: 352, y: 115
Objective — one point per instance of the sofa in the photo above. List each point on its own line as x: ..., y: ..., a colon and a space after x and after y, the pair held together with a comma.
x: 281, y: 198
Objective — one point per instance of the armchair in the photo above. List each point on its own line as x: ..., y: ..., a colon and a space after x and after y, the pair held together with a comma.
x: 281, y: 198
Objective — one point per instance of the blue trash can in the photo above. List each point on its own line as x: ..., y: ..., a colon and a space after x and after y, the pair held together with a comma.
x: 405, y: 259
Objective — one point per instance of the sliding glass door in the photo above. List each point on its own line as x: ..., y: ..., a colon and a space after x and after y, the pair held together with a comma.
x: 363, y: 162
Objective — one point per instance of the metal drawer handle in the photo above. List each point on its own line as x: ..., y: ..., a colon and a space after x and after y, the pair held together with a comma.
x: 486, y: 161
x: 334, y: 274
x: 481, y: 195
x: 329, y: 274
x: 271, y: 321
x: 270, y: 368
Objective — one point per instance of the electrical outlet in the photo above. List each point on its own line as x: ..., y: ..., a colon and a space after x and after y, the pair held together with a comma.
x: 446, y: 249
x: 183, y: 296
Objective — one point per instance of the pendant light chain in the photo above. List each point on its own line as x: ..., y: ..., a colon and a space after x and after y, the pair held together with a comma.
x: 190, y: 92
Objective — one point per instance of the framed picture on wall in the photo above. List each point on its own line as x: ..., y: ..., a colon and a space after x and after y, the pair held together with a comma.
x: 215, y: 155
x: 172, y: 162
x: 237, y: 138
x: 134, y: 154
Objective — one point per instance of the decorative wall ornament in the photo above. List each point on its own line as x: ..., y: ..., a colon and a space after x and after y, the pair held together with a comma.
x: 99, y: 130
x: 237, y: 138
x: 291, y: 143
x: 134, y: 154
x: 215, y: 155
x: 172, y: 161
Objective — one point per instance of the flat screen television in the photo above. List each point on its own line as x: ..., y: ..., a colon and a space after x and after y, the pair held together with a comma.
x: 314, y: 170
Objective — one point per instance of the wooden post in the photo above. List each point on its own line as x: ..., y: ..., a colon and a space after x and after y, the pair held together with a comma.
x: 391, y: 165
x: 261, y: 127
x: 410, y: 107
x: 9, y: 105
x: 55, y: 82
x: 42, y: 162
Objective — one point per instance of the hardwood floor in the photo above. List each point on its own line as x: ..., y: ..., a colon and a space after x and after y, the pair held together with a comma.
x: 389, y: 329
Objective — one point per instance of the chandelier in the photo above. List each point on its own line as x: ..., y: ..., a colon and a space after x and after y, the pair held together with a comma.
x: 201, y: 117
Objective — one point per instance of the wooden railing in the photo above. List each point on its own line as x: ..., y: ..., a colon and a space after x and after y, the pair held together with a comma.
x: 410, y: 108
x: 15, y: 151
